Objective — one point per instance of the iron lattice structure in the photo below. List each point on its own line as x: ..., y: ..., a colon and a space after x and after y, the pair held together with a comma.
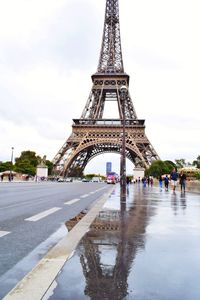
x: 92, y: 134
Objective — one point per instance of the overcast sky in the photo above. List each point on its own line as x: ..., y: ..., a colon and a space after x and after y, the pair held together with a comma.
x: 49, y: 49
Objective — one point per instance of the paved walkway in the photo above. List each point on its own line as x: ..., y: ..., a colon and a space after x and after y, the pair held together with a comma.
x: 144, y: 249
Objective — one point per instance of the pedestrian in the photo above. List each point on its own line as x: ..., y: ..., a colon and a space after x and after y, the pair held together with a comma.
x: 9, y: 177
x: 127, y: 180
x: 144, y: 181
x: 166, y: 180
x: 160, y: 182
x: 174, y: 177
x: 182, y: 181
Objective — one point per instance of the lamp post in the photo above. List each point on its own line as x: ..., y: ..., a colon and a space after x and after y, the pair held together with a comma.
x: 11, y: 164
x: 123, y: 96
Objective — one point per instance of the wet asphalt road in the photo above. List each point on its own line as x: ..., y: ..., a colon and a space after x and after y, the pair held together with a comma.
x: 145, y: 249
x: 24, y: 241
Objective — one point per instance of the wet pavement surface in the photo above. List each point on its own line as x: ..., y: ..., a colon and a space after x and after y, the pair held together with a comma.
x: 146, y: 248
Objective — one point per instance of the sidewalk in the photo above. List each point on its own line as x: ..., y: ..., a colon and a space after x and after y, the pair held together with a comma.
x: 146, y: 248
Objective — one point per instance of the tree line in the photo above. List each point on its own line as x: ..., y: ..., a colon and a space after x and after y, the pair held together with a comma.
x: 26, y: 163
x: 159, y: 167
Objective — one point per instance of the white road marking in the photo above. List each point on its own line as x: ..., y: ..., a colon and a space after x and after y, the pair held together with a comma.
x: 37, y: 282
x: 43, y: 214
x: 84, y: 196
x: 71, y: 201
x: 2, y: 233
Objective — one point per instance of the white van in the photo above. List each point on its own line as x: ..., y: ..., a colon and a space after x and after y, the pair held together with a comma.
x: 96, y: 179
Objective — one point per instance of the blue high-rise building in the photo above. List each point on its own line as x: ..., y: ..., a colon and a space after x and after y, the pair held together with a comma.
x: 108, y: 167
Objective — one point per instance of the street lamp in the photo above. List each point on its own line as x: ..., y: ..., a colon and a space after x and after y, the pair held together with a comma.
x: 123, y: 96
x: 11, y: 164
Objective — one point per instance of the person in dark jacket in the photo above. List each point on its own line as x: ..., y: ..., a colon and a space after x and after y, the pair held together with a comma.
x: 166, y: 180
x: 160, y: 182
x: 182, y: 178
x: 174, y: 177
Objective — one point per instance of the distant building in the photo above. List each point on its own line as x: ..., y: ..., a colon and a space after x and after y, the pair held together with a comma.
x: 108, y: 167
x: 138, y: 172
x: 42, y: 170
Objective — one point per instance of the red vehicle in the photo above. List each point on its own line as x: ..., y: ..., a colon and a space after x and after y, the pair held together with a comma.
x: 111, y: 178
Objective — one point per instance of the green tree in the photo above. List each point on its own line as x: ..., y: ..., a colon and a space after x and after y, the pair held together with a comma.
x: 25, y: 167
x: 180, y: 163
x: 197, y: 175
x: 197, y: 162
x: 90, y: 176
x: 170, y: 165
x: 27, y: 162
x: 157, y: 168
x: 5, y: 166
x: 30, y: 156
x: 49, y: 164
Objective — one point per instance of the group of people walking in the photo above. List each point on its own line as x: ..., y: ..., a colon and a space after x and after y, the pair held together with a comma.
x: 174, y: 178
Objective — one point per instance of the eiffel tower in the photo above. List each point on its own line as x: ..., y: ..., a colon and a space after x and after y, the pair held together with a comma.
x: 92, y: 134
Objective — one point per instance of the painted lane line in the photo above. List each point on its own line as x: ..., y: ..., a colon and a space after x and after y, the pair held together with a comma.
x: 71, y: 201
x: 84, y: 196
x: 43, y: 214
x: 36, y: 283
x: 2, y: 233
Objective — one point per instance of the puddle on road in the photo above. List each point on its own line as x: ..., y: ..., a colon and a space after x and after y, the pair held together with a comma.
x: 123, y: 256
x: 101, y: 264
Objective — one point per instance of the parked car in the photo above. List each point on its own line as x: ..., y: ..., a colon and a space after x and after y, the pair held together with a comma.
x: 85, y: 180
x: 68, y: 180
x: 96, y: 179
x: 60, y: 180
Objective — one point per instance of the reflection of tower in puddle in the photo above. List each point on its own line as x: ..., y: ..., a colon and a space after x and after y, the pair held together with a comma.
x: 109, y: 248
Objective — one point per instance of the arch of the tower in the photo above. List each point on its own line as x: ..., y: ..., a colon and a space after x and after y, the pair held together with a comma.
x: 90, y: 149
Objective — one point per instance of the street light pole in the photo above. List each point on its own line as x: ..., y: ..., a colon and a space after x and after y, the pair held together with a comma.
x: 123, y: 95
x: 11, y: 164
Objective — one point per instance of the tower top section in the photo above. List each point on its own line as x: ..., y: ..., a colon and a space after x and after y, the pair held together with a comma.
x: 110, y: 60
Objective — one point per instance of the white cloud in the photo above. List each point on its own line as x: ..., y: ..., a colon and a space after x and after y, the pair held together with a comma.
x: 22, y: 18
x: 49, y: 49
